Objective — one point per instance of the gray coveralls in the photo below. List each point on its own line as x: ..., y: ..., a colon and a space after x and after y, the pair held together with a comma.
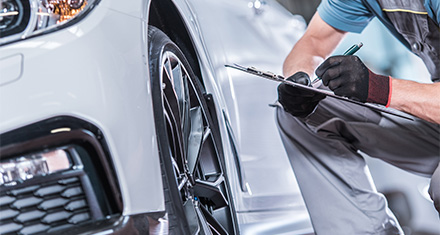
x: 323, y: 148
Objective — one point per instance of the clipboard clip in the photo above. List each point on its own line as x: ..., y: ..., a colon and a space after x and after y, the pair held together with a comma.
x: 255, y: 71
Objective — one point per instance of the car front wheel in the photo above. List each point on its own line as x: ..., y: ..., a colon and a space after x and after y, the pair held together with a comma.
x: 196, y: 191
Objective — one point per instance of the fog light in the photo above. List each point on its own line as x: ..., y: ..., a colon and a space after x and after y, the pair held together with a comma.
x: 19, y: 169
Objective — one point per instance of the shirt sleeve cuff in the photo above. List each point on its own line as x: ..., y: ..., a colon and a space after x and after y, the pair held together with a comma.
x: 331, y: 17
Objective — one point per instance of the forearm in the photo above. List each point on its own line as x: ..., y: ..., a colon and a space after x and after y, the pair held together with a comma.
x: 421, y: 100
x: 318, y: 43
x: 303, y: 57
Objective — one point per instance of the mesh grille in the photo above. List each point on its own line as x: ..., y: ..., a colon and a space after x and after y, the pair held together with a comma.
x: 43, y: 208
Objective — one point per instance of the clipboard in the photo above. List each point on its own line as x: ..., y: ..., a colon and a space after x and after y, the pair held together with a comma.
x: 279, y: 78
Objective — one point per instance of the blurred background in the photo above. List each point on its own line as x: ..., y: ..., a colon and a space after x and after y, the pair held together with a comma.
x: 383, y: 54
x: 305, y: 8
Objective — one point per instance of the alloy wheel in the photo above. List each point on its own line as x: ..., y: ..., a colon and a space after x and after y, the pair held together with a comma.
x: 193, y: 147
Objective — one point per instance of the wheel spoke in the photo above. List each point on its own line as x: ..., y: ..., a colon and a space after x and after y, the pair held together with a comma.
x: 170, y: 94
x: 167, y: 68
x: 214, y: 225
x: 177, y: 81
x: 196, y: 138
x: 198, y: 151
x: 208, y: 162
x: 175, y: 134
x: 186, y: 122
x: 204, y: 225
x: 192, y: 217
x: 176, y: 166
x: 171, y: 133
x: 211, y: 192
x: 182, y: 182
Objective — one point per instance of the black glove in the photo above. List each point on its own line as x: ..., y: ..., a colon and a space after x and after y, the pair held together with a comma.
x: 296, y: 101
x: 348, y: 76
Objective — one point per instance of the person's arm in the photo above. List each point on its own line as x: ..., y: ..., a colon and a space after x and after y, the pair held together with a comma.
x: 348, y: 76
x: 421, y: 100
x: 318, y: 42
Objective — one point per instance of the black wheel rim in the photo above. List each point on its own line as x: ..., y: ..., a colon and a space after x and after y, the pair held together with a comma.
x: 195, y: 156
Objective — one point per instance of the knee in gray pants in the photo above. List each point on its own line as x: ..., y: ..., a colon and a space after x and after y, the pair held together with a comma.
x: 434, y: 188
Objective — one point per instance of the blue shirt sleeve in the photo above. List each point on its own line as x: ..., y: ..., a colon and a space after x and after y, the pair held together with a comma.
x: 345, y: 15
x: 433, y: 8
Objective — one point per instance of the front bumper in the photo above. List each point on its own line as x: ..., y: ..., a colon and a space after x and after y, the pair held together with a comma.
x: 95, y: 70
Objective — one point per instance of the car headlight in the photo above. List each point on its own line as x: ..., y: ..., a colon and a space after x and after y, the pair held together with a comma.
x: 21, y: 19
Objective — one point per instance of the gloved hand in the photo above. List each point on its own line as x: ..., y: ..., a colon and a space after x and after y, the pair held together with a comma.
x: 296, y: 101
x: 348, y: 76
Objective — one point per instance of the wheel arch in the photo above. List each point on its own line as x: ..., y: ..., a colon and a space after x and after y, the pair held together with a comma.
x: 164, y: 15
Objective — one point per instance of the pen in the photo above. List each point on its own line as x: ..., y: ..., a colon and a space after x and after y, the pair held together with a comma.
x: 350, y: 51
x: 353, y: 49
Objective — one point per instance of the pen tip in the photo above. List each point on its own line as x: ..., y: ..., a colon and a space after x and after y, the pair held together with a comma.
x: 360, y: 44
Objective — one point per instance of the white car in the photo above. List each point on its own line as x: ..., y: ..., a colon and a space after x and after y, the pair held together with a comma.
x: 119, y: 117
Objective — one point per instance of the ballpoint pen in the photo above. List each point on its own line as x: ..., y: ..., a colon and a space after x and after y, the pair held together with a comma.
x: 350, y: 51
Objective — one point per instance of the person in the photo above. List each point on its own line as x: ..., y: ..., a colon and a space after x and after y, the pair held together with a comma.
x: 326, y: 138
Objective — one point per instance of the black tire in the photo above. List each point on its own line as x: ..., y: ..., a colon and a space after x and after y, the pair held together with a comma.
x: 197, y: 195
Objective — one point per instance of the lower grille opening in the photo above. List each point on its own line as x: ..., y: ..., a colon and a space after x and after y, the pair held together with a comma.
x: 37, y: 197
x: 45, y: 208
